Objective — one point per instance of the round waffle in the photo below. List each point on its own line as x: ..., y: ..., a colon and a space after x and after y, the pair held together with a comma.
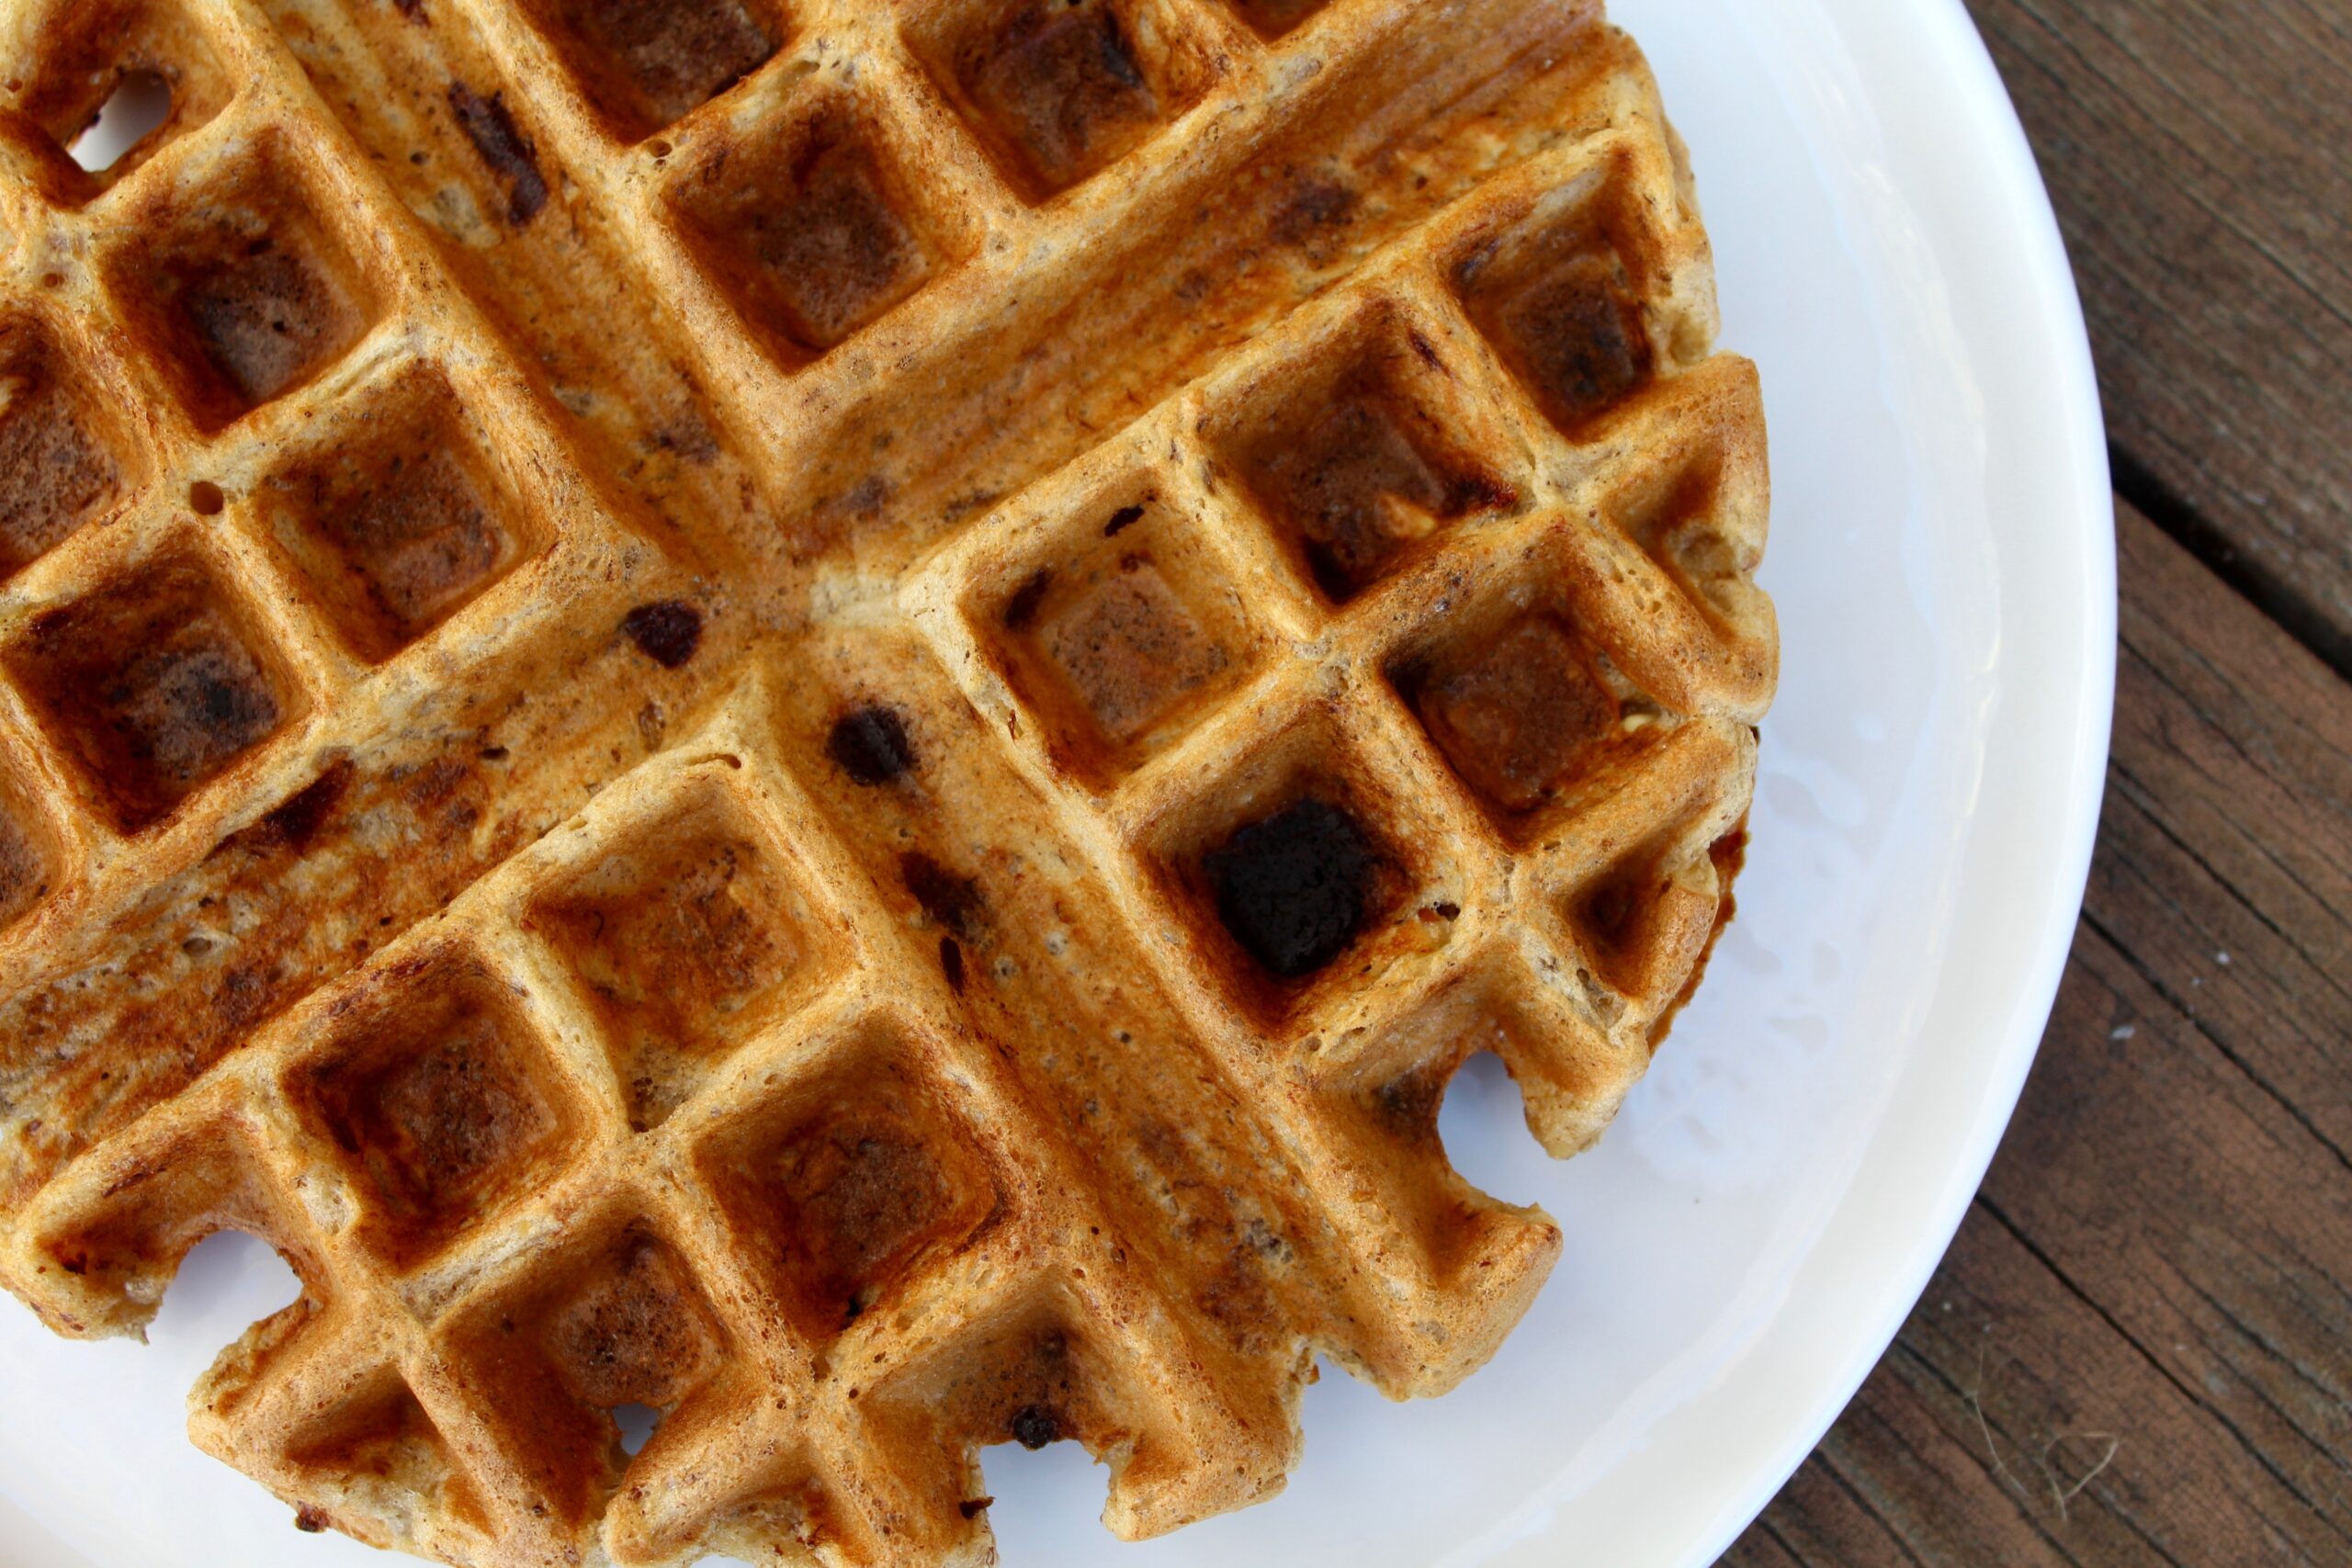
x: 833, y: 718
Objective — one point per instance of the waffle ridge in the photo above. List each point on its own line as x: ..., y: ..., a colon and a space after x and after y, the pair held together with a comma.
x: 831, y: 718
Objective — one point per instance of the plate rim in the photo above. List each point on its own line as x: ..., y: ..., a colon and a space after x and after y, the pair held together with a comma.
x: 1772, y: 1455
x: 2042, y: 255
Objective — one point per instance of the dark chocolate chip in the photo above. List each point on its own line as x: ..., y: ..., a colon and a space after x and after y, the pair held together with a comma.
x: 668, y: 632
x: 1292, y: 888
x: 1033, y: 1425
x: 871, y: 746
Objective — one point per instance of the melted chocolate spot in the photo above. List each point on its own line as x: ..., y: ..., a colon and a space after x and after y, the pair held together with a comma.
x: 1315, y: 203
x: 953, y: 901
x: 297, y: 822
x: 1022, y: 608
x: 504, y: 148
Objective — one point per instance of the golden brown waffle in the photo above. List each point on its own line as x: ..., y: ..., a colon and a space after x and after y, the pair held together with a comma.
x: 833, y: 719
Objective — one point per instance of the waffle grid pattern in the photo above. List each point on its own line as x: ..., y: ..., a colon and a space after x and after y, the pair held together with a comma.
x: 687, y: 857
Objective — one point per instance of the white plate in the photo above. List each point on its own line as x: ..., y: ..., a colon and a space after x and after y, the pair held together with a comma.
x: 1745, y: 1241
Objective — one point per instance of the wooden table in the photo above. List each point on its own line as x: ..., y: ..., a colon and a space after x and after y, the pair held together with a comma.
x: 2139, y: 1350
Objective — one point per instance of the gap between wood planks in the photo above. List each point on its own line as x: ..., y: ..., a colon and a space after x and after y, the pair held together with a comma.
x: 2250, y: 577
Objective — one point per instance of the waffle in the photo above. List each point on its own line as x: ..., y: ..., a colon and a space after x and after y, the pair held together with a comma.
x: 830, y: 721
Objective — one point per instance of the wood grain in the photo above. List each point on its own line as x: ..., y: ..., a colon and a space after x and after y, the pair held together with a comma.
x: 2139, y: 1347
x: 2197, y: 154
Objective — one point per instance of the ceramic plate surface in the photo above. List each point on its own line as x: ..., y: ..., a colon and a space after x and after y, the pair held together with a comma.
x: 1746, y: 1240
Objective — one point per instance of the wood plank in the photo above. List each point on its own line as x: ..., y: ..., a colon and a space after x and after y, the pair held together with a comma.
x: 2161, y: 1251
x: 2197, y: 151
x: 2209, y: 1230
x: 1818, y: 1520
x: 2227, y: 865
x: 1761, y: 1549
x: 2210, y: 1233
